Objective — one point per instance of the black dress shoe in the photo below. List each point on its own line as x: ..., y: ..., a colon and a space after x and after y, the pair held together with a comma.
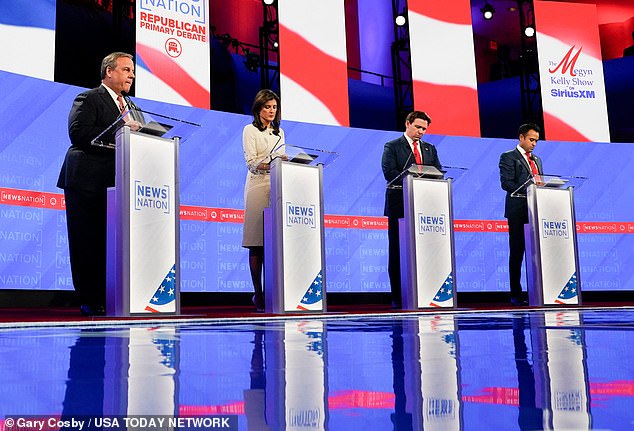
x: 518, y: 302
x: 92, y: 310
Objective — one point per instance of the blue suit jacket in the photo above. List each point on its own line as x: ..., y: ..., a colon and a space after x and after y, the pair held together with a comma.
x: 515, y: 171
x: 397, y: 156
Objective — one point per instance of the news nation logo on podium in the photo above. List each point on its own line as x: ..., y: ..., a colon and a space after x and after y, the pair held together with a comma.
x: 151, y: 197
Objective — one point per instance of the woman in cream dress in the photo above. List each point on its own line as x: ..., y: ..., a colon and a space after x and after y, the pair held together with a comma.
x: 259, y: 139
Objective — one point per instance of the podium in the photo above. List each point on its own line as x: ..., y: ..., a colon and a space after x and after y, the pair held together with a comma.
x: 296, y: 394
x: 430, y: 346
x: 426, y: 240
x: 551, y: 241
x: 143, y: 256
x: 560, y: 369
x: 294, y: 256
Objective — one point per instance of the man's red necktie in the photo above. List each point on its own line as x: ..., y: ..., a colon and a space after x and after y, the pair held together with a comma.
x: 120, y: 99
x: 532, y: 164
x: 419, y: 159
x: 534, y: 170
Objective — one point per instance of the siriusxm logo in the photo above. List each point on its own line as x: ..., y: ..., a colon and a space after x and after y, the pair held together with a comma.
x: 432, y: 224
x: 573, y: 94
x: 154, y: 197
x: 300, y: 215
x: 555, y: 228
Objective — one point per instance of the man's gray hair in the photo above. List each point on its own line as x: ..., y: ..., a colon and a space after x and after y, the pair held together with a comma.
x: 110, y: 61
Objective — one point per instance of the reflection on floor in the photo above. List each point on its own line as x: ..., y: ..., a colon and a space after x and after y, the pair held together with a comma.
x: 503, y: 370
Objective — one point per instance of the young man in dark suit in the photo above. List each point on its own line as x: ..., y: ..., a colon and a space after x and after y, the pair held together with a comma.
x: 397, y: 156
x: 517, y: 166
x: 86, y: 174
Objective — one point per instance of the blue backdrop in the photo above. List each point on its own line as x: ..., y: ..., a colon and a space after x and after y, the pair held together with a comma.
x: 33, y: 242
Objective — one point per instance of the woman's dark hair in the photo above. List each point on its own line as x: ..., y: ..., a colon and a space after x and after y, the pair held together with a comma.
x: 260, y: 100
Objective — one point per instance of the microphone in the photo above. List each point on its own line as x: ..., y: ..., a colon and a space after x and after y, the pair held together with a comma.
x: 275, y: 147
x: 407, y: 161
x: 538, y: 176
x: 534, y: 159
x: 279, y: 138
x: 135, y: 112
x: 129, y: 103
x: 391, y: 185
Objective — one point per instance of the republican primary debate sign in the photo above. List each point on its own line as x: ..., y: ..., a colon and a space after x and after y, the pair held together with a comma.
x: 172, y: 43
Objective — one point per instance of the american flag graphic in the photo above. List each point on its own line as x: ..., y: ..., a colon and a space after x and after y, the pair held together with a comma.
x: 315, y: 336
x: 569, y: 291
x: 445, y: 293
x: 450, y: 340
x: 167, y: 348
x: 575, y: 337
x: 313, y: 294
x: 162, y: 299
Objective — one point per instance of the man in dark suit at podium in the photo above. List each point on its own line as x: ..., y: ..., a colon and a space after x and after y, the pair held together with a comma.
x: 398, y: 155
x: 517, y: 166
x: 86, y: 174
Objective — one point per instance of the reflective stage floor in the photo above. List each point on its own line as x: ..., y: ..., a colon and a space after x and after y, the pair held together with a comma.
x: 487, y: 370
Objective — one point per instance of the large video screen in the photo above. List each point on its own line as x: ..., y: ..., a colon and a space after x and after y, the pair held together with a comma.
x: 33, y: 238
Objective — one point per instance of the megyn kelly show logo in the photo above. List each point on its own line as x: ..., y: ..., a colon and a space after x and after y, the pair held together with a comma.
x: 569, y: 81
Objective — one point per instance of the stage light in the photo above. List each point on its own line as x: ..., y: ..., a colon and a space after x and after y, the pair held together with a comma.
x: 268, y: 2
x: 251, y: 61
x: 487, y: 11
x: 400, y: 20
x: 226, y: 39
x: 529, y: 31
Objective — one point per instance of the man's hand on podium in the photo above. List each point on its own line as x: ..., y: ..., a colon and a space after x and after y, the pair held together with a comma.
x: 134, y: 125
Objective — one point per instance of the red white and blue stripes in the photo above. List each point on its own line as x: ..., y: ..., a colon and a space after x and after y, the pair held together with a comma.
x: 27, y: 32
x: 443, y: 65
x: 313, y: 61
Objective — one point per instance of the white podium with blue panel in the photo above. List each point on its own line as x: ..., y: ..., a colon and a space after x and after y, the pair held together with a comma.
x: 551, y: 244
x: 427, y: 242
x: 294, y: 269
x: 143, y: 243
x: 144, y: 227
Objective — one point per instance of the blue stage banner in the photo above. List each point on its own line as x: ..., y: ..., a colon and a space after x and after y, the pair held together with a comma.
x: 33, y: 239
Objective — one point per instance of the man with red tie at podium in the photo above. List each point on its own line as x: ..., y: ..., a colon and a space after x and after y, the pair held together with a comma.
x: 87, y: 173
x: 398, y: 155
x: 517, y: 166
